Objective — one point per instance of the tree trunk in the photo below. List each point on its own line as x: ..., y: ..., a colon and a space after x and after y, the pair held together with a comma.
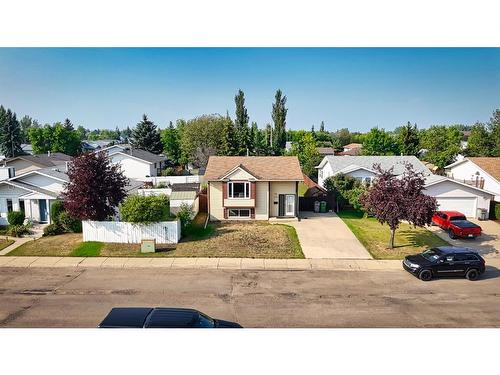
x: 391, y: 240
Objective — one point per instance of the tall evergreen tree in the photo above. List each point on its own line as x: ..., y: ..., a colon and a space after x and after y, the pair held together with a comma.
x: 10, y: 137
x: 146, y: 136
x: 279, y: 118
x: 409, y: 139
x: 242, y: 131
x: 230, y: 145
x: 68, y: 125
x: 126, y: 134
x: 171, y: 143
x: 26, y: 123
x: 322, y: 127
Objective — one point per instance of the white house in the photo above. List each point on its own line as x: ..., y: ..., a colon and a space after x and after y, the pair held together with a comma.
x: 483, y: 172
x: 33, y: 192
x: 135, y: 163
x: 450, y: 194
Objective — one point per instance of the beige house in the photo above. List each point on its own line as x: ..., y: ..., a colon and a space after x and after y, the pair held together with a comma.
x: 252, y: 187
x: 27, y: 163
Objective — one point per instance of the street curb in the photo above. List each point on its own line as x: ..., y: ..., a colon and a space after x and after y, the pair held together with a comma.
x: 208, y: 263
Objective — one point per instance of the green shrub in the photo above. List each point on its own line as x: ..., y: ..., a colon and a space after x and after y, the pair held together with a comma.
x: 497, y: 211
x: 145, y: 209
x: 69, y: 224
x: 185, y: 215
x: 169, y: 171
x: 52, y: 230
x: 18, y: 230
x: 55, y: 211
x: 15, y: 218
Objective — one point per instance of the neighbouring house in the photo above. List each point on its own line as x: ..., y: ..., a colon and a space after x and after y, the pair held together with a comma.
x: 27, y: 163
x: 482, y: 172
x: 27, y: 148
x: 353, y: 149
x: 33, y: 192
x: 323, y: 151
x: 135, y: 163
x: 450, y: 194
x: 252, y: 187
x: 89, y: 145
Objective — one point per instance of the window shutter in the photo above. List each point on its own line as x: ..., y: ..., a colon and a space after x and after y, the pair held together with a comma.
x: 225, y: 213
x: 224, y: 190
x: 253, y: 190
x: 252, y: 213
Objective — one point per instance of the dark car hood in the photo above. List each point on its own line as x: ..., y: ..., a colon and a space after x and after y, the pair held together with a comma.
x: 419, y: 259
x: 464, y: 224
x: 226, y: 324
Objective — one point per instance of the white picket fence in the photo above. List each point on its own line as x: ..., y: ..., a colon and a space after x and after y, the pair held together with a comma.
x: 172, y: 180
x: 164, y: 232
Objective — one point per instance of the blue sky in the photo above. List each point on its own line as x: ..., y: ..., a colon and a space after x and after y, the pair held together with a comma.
x: 355, y: 88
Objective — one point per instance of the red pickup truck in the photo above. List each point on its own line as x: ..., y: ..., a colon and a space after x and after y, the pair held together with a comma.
x: 456, y: 224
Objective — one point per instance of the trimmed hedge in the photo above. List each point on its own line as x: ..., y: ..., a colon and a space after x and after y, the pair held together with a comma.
x: 15, y: 218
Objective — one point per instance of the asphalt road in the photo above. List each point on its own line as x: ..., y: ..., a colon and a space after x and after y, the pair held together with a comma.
x: 59, y: 297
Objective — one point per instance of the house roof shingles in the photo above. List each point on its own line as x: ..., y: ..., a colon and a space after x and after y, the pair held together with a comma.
x: 265, y: 168
x: 55, y: 158
x: 491, y: 165
x: 339, y: 163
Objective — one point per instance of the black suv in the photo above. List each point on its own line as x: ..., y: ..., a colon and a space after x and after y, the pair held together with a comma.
x: 445, y: 261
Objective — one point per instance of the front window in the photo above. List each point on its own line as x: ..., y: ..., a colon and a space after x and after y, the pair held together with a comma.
x: 239, y: 213
x: 431, y: 254
x: 238, y: 189
x: 9, y: 205
x: 204, y: 322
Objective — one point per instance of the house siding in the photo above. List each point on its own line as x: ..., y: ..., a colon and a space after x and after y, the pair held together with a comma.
x: 22, y: 166
x: 132, y: 168
x: 277, y: 188
x: 262, y: 200
x: 467, y: 170
x: 216, y: 207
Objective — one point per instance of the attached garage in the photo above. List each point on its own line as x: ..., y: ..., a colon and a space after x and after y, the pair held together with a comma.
x: 465, y: 205
x: 452, y: 195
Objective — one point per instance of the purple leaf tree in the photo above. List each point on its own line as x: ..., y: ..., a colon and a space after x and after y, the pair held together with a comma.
x: 95, y: 188
x: 393, y: 199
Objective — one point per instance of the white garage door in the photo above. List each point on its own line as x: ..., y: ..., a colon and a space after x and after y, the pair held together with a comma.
x: 465, y: 205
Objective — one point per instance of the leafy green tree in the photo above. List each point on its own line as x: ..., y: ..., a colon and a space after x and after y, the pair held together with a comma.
x: 442, y: 144
x: 259, y: 140
x: 203, y: 136
x: 146, y: 136
x: 307, y: 153
x: 479, y: 143
x: 344, y: 136
x: 82, y: 132
x: 279, y: 118
x: 171, y: 143
x: 10, y: 133
x: 346, y: 189
x: 494, y: 128
x: 26, y: 123
x: 230, y: 144
x: 322, y: 127
x: 379, y: 142
x: 145, y: 209
x: 409, y: 139
x: 55, y: 138
x: 242, y: 132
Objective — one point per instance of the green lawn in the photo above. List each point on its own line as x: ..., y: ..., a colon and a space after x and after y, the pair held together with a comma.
x: 375, y: 237
x: 4, y: 243
x: 229, y: 239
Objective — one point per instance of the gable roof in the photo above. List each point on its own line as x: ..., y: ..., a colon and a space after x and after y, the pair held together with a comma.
x: 183, y: 195
x: 58, y: 172
x: 265, y: 168
x: 44, y: 160
x: 137, y: 153
x: 434, y: 179
x: 28, y: 187
x: 490, y: 165
x: 190, y: 186
x: 350, y: 163
x: 325, y: 150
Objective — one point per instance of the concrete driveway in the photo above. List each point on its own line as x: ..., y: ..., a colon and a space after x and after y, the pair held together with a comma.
x: 326, y: 236
x: 488, y: 244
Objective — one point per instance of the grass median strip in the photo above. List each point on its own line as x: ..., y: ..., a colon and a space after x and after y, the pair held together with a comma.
x: 375, y: 237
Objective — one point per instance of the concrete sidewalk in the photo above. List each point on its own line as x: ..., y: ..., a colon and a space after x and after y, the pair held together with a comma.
x: 210, y: 263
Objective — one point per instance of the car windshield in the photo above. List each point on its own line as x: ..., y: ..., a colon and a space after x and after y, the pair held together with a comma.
x: 431, y: 254
x: 204, y: 322
x: 457, y: 218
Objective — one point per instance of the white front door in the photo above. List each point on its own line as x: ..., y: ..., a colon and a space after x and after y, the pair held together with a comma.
x: 290, y: 205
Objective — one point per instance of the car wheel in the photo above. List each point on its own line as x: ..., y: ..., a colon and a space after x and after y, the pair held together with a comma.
x: 451, y: 234
x: 472, y: 274
x: 425, y: 275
